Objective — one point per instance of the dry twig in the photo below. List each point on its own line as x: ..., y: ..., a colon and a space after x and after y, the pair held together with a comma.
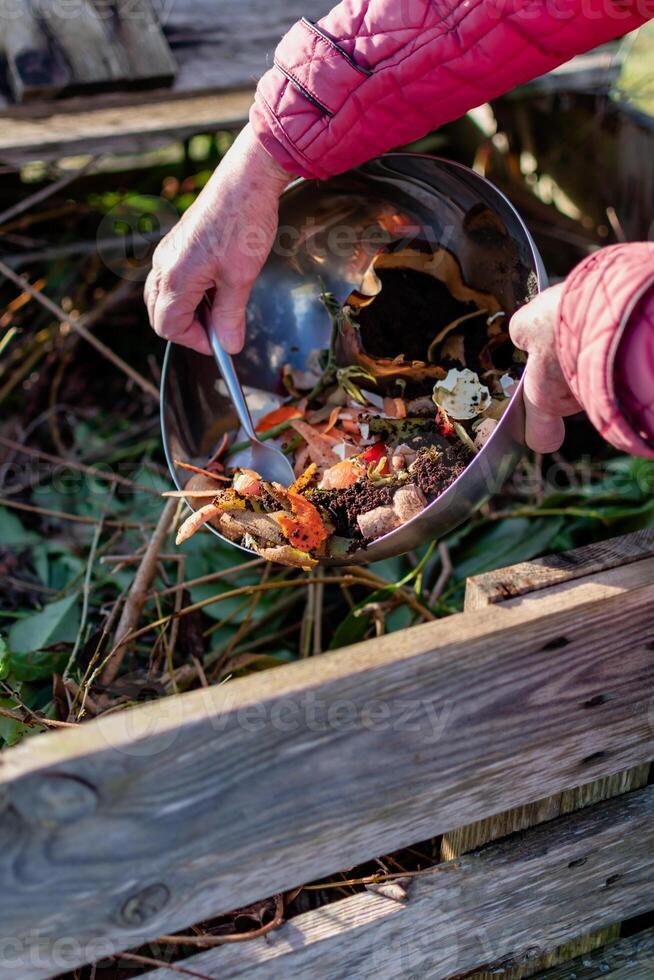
x: 138, y: 592
x: 446, y: 571
x: 79, y: 326
x: 150, y: 961
x: 63, y: 515
x: 237, y: 937
x: 45, y: 192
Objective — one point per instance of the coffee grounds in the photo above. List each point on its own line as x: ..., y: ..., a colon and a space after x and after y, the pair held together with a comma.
x: 434, y: 471
x: 344, y: 506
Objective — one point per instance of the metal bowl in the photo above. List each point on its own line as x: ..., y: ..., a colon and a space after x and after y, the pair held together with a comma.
x: 328, y: 234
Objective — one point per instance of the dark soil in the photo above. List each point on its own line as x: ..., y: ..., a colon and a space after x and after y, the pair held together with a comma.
x: 408, y: 313
x: 433, y: 471
x: 343, y: 506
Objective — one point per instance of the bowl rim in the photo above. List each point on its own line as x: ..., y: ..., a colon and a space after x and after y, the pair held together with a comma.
x: 541, y: 283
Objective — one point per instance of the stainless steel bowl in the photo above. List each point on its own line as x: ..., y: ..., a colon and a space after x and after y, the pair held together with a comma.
x: 328, y: 232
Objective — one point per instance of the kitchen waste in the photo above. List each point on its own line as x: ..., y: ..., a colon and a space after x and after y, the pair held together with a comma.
x: 418, y: 373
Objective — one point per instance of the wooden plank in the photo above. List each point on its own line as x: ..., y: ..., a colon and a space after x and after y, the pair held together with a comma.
x: 137, y: 128
x: 34, y: 67
x: 94, y: 56
x: 475, y: 835
x: 146, y: 50
x: 505, y: 903
x: 161, y: 816
x: 541, y: 573
x: 610, y: 566
x: 83, y: 45
x: 626, y: 959
x: 557, y: 577
x: 217, y: 46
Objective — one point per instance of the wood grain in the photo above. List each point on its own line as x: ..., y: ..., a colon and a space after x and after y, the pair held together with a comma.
x: 163, y: 815
x: 607, y: 567
x: 215, y: 46
x: 146, y: 50
x: 136, y: 128
x: 541, y: 573
x: 53, y: 48
x: 88, y: 46
x: 34, y: 66
x: 625, y: 959
x: 503, y: 904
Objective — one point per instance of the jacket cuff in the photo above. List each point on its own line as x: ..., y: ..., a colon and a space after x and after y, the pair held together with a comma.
x: 597, y: 304
x: 313, y: 77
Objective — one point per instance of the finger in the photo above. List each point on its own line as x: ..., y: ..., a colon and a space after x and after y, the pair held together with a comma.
x: 544, y: 433
x: 150, y: 294
x: 228, y: 315
x: 546, y: 388
x: 519, y: 327
x: 531, y: 328
x: 196, y: 338
x: 174, y: 320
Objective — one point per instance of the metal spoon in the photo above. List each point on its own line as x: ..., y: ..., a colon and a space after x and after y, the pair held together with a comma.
x: 267, y: 460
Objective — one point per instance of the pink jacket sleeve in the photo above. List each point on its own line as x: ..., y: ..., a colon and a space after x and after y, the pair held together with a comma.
x: 605, y: 339
x: 373, y: 74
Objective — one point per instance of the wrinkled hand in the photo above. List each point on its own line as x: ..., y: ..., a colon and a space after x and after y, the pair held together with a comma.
x: 218, y: 247
x: 548, y: 398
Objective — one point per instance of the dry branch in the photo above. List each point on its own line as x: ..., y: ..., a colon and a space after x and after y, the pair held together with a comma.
x: 79, y: 327
x: 46, y: 192
x: 138, y: 592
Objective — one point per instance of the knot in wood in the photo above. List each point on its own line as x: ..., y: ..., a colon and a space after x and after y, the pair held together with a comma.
x: 54, y: 798
x: 144, y: 905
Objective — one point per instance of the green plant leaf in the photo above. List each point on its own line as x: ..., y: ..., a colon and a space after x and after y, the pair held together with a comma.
x: 55, y: 623
x: 11, y: 732
x: 507, y: 542
x: 36, y: 664
x: 354, y: 626
x: 12, y: 532
x: 4, y: 659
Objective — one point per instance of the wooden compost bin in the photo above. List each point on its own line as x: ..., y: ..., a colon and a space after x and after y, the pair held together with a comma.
x: 531, y: 711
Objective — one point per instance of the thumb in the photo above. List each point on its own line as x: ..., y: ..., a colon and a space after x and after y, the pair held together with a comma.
x: 544, y: 432
x: 228, y: 315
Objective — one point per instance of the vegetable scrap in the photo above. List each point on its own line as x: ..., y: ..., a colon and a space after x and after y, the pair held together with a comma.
x: 374, y: 433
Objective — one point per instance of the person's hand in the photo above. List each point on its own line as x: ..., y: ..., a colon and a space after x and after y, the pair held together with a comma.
x: 548, y: 398
x: 218, y: 247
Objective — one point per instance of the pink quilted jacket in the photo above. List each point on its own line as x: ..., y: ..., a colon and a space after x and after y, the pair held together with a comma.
x: 373, y: 74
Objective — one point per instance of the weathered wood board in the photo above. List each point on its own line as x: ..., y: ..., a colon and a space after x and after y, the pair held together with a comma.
x: 503, y: 905
x: 625, y: 959
x: 133, y: 128
x: 33, y: 66
x: 529, y: 577
x: 207, y: 46
x: 51, y: 48
x: 164, y: 815
x: 615, y: 564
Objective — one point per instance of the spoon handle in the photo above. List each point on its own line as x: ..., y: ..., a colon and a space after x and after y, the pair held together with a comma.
x: 230, y: 377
